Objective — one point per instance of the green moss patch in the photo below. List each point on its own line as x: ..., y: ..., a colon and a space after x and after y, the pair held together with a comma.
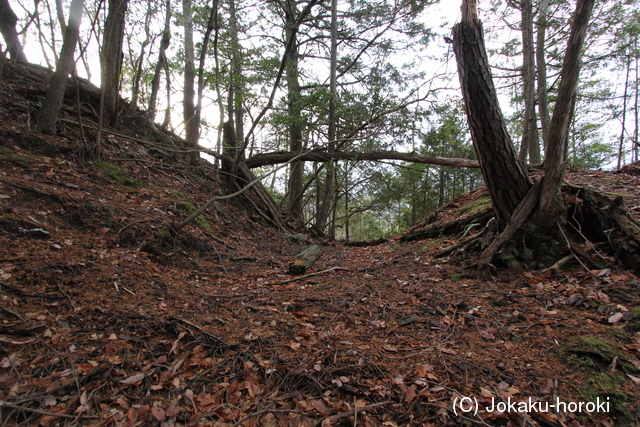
x: 480, y: 203
x: 9, y: 157
x: 117, y: 175
x: 602, y: 361
x: 200, y: 220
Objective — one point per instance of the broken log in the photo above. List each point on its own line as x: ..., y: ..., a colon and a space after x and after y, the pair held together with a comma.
x: 304, y: 260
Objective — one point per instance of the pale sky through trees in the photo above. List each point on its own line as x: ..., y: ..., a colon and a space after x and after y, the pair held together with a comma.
x: 438, y: 60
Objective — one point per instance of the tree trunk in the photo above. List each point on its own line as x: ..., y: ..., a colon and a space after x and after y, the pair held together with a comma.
x: 296, y: 174
x: 191, y: 126
x: 530, y: 141
x: 137, y: 64
x: 323, y: 213
x: 211, y: 25
x: 162, y: 60
x: 47, y: 116
x: 111, y: 58
x: 543, y: 99
x: 238, y: 86
x: 551, y: 203
x: 8, y: 21
x: 503, y: 173
x: 624, y: 114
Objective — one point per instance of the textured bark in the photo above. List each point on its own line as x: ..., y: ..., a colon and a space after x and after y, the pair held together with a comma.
x: 8, y: 20
x: 295, y: 126
x: 304, y: 260
x: 191, y: 126
x: 318, y: 156
x: 552, y: 205
x: 111, y: 56
x: 211, y: 25
x: 503, y: 173
x: 47, y: 116
x: 530, y: 143
x: 236, y: 77
x: 329, y: 183
x: 543, y: 99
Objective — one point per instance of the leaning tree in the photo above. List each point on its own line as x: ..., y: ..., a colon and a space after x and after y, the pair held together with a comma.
x: 516, y: 199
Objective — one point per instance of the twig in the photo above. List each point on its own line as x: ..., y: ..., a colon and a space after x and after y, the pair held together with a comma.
x: 41, y: 412
x: 572, y: 253
x: 219, y: 259
x: 317, y: 273
x: 560, y: 263
x: 13, y: 313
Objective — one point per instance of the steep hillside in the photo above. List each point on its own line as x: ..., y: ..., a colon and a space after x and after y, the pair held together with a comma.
x: 107, y: 318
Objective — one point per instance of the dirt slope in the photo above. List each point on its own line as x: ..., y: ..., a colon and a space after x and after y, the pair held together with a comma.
x: 107, y: 320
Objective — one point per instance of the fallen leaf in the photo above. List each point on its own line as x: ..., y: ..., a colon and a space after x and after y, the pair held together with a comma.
x: 158, y: 413
x: 487, y: 334
x: 616, y: 318
x: 133, y: 379
x: 319, y: 406
x: 447, y: 351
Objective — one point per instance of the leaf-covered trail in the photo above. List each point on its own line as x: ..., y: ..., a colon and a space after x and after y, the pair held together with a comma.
x: 124, y: 338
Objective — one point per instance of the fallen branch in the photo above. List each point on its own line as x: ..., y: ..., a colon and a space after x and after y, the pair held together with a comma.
x: 304, y: 260
x: 13, y: 313
x: 317, y: 273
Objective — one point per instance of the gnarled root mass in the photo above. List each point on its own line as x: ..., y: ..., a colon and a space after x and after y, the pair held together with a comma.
x: 597, y: 229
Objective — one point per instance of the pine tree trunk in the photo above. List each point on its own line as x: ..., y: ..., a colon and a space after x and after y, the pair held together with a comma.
x: 238, y: 86
x: 47, y: 116
x: 111, y: 58
x: 503, y: 173
x: 325, y: 204
x: 543, y: 99
x: 295, y: 127
x: 530, y: 142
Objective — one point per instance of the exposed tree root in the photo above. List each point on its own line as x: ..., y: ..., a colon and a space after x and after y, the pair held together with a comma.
x: 518, y: 218
x: 593, y: 219
x: 450, y: 228
x: 465, y: 243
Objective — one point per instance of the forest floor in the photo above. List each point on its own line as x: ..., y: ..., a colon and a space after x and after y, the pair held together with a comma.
x: 105, y: 319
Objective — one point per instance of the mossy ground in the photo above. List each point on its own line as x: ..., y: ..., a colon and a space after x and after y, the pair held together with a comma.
x: 8, y: 157
x: 117, y: 175
x: 604, y: 362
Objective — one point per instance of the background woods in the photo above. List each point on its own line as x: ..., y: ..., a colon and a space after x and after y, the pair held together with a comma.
x: 347, y: 82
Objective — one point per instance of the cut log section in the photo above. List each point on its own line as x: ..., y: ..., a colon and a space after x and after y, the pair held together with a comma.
x: 304, y: 260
